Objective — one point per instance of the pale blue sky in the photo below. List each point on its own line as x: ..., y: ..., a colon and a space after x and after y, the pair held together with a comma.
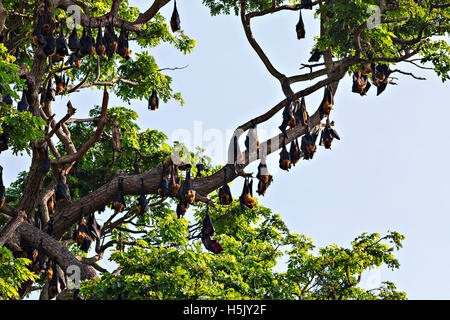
x: 388, y: 172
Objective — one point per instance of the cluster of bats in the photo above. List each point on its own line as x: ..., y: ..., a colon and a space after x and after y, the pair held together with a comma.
x: 380, y: 78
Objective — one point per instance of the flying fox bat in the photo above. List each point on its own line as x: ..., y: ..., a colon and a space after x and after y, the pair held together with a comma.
x: 246, y: 199
x: 328, y: 135
x: 74, y: 41
x: 206, y: 234
x: 122, y: 48
x: 153, y: 102
x: 188, y: 191
x: 316, y: 55
x: 288, y: 117
x: 174, y: 183
x: 306, y: 4
x: 225, y: 197
x: 327, y: 102
x: 300, y: 27
x: 380, y: 77
x: 308, y: 145
x: 100, y: 44
x: 45, y: 162
x: 361, y: 83
x: 62, y: 49
x: 119, y: 200
x: 93, y: 228
x: 285, y: 158
x: 294, y: 152
x: 265, y: 179
x: 62, y: 190
x: 143, y: 204
x: 23, y: 105
x: 111, y: 40
x: 175, y: 19
x: 300, y: 113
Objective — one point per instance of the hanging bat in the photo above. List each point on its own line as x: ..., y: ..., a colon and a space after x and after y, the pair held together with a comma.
x: 285, y: 158
x: 143, y: 204
x: 37, y: 219
x: 23, y: 105
x: 315, y: 56
x: 45, y: 163
x: 265, y: 179
x: 100, y: 44
x: 246, y: 199
x: 38, y: 38
x: 294, y: 152
x: 206, y: 233
x: 251, y: 141
x: 163, y: 188
x: 288, y: 117
x: 182, y: 209
x: 50, y: 46
x: 47, y: 22
x: 153, y: 102
x: 87, y: 43
x: 327, y: 102
x: 49, y: 93
x: 122, y: 48
x: 225, y: 197
x: 2, y: 188
x: 300, y: 27
x: 93, y: 228
x: 119, y: 200
x: 200, y: 168
x: 74, y: 41
x: 308, y: 146
x: 111, y: 40
x: 174, y: 183
x: 360, y: 83
x: 300, y: 113
x: 175, y: 19
x: 61, y: 83
x: 62, y: 49
x: 75, y: 60
x: 212, y: 245
x: 40, y: 264
x: 306, y: 4
x: 380, y: 77
x: 188, y: 191
x: 55, y: 285
x: 4, y: 141
x: 62, y: 190
x: 7, y: 99
x: 328, y: 135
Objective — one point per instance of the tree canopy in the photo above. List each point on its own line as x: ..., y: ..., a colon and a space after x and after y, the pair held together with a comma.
x: 141, y: 186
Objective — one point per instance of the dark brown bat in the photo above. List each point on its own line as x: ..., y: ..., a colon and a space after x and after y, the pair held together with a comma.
x: 294, y: 152
x: 74, y: 41
x: 361, y: 83
x: 212, y: 245
x: 225, y: 197
x: 182, y: 209
x: 62, y: 190
x: 143, y: 204
x: 300, y: 27
x: 380, y: 77
x: 174, y: 183
x: 175, y: 19
x: 288, y: 117
x: 93, y: 228
x: 153, y: 102
x: 327, y: 102
x: 188, y: 190
x: 367, y: 69
x: 111, y: 40
x: 300, y: 112
x: 49, y: 93
x: 55, y: 285
x: 251, y: 141
x: 265, y: 179
x: 308, y: 146
x: 200, y: 168
x: 328, y: 135
x: 2, y: 188
x: 87, y: 43
x: 246, y: 199
x: 100, y: 44
x: 315, y: 56
x: 38, y: 38
x: 46, y: 162
x: 285, y: 158
x: 23, y: 105
x: 62, y: 49
x: 163, y: 187
x: 119, y: 200
x: 7, y: 99
x: 206, y: 234
x: 122, y: 48
x: 50, y: 45
x: 60, y: 83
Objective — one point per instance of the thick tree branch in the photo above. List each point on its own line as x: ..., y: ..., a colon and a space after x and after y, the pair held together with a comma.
x: 11, y: 227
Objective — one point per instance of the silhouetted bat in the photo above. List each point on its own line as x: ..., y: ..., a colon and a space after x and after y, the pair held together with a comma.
x: 288, y: 117
x: 285, y: 158
x: 360, y: 83
x: 246, y: 198
x: 251, y: 141
x: 300, y: 113
x: 111, y: 40
x: 294, y: 152
x: 327, y: 102
x: 225, y: 197
x: 100, y: 44
x: 49, y: 93
x: 119, y: 200
x: 62, y: 190
x: 50, y: 45
x: 316, y: 55
x: 87, y: 43
x: 122, y: 48
x: 175, y: 19
x: 143, y: 205
x: 62, y: 49
x: 200, y: 168
x: 23, y: 105
x: 308, y: 146
x: 206, y: 233
x: 93, y: 227
x: 328, y: 134
x: 163, y: 188
x: 300, y: 27
x: 74, y: 41
x: 188, y: 191
x: 306, y: 4
x: 153, y: 102
x: 60, y: 83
